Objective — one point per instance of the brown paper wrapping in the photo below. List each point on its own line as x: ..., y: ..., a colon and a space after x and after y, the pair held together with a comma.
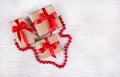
x: 53, y: 38
x: 43, y: 28
x: 27, y: 33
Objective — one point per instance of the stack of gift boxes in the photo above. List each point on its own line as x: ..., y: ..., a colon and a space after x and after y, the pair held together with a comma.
x: 45, y: 21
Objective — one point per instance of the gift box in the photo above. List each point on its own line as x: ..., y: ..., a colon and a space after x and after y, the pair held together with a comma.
x: 49, y: 46
x: 45, y: 20
x: 23, y: 34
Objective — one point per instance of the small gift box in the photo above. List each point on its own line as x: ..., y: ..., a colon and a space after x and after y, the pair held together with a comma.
x: 22, y: 33
x: 49, y: 46
x: 45, y: 20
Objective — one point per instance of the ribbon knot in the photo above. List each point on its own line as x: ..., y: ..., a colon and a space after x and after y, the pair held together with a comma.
x: 50, y: 47
x: 46, y: 45
x: 46, y: 16
x: 19, y: 29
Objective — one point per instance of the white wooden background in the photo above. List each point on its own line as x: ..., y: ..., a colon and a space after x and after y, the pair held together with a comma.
x: 94, y: 26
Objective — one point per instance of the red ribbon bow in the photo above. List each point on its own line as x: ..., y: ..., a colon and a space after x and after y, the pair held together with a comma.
x: 50, y: 47
x: 19, y: 29
x: 50, y: 18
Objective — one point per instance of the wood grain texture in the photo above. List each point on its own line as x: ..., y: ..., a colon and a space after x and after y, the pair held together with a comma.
x: 94, y: 26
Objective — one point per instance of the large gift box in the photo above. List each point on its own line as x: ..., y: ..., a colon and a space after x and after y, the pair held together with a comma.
x: 22, y: 33
x: 49, y: 46
x: 45, y: 20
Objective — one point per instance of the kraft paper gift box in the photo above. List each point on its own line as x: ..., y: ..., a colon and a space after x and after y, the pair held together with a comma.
x: 46, y: 50
x: 20, y: 30
x: 44, y: 26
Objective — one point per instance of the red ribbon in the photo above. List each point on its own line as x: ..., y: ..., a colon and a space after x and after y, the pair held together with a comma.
x: 50, y: 18
x: 19, y: 29
x: 50, y: 47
